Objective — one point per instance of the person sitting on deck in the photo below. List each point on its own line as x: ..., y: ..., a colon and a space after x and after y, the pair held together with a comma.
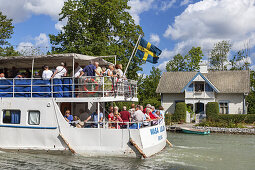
x: 125, y: 116
x: 20, y: 75
x: 94, y: 117
x: 68, y: 117
x: 46, y: 75
x: 2, y: 76
x: 147, y: 117
x: 60, y: 71
x: 76, y: 122
x: 36, y: 75
x: 138, y: 117
x: 78, y: 71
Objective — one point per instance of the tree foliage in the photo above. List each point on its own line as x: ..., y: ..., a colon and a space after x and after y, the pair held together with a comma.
x: 219, y: 55
x: 147, y: 88
x: 99, y: 27
x: 189, y: 62
x: 6, y: 30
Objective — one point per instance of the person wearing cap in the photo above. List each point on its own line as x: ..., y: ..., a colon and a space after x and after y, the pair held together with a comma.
x: 46, y: 75
x: 147, y: 106
x: 60, y: 71
x: 36, y: 75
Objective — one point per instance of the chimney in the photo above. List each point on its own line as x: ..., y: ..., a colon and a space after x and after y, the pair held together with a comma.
x: 203, y: 67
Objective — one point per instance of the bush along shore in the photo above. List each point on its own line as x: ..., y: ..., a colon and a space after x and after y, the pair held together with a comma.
x: 215, y: 122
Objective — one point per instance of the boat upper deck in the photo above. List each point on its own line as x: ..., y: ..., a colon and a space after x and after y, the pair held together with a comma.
x: 71, y: 89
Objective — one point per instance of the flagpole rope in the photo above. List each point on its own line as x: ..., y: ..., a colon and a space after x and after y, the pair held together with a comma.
x: 132, y: 54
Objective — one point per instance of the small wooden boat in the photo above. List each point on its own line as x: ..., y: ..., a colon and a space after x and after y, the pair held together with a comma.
x: 195, y: 131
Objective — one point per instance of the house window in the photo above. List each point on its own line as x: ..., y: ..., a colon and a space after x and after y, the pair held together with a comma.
x: 11, y: 116
x: 199, y: 87
x: 33, y: 117
x: 223, y: 107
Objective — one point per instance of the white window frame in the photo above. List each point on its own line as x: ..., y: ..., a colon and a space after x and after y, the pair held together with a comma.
x: 29, y: 117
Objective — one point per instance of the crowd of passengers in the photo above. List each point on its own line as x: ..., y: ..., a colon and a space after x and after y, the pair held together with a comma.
x: 93, y: 69
x: 137, y: 116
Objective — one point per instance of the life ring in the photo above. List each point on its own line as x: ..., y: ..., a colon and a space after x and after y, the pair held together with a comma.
x: 94, y: 82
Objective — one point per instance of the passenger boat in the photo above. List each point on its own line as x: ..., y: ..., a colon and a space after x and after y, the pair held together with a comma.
x: 195, y: 131
x: 31, y: 112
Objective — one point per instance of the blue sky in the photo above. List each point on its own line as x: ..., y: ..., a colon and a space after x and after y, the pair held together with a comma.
x: 172, y: 25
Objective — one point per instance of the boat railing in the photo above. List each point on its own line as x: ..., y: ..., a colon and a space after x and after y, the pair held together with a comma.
x: 122, y: 125
x: 86, y: 86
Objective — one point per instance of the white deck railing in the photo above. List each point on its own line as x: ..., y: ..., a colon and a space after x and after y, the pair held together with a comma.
x: 68, y: 87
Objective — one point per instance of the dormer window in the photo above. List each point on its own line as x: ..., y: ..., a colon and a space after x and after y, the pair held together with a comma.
x: 199, y: 87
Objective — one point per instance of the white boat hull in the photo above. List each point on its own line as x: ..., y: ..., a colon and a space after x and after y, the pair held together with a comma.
x: 84, y: 141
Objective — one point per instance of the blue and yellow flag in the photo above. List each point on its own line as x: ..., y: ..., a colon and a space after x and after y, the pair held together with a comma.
x: 148, y: 52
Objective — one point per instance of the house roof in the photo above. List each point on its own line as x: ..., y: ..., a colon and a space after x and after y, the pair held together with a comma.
x: 225, y: 81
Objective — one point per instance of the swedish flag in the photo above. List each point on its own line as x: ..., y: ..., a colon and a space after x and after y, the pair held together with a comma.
x: 148, y: 52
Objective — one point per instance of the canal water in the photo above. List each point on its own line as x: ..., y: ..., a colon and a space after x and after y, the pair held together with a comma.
x: 215, y: 151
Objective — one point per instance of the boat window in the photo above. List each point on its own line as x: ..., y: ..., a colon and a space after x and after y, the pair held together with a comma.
x: 11, y: 116
x: 34, y: 117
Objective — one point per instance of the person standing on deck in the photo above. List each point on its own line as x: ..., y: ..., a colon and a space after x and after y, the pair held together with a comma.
x: 125, y: 116
x: 60, y: 71
x: 132, y: 111
x: 90, y: 70
x: 98, y: 70
x: 46, y: 75
x: 78, y: 71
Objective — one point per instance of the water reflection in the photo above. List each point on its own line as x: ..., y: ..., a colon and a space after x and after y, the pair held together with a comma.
x: 216, y: 151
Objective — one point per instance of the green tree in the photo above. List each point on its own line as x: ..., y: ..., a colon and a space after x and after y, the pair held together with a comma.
x: 6, y: 30
x: 178, y: 63
x: 99, y: 27
x: 219, y: 55
x: 250, y: 99
x: 147, y: 88
x: 240, y: 61
x: 193, y: 58
x: 189, y: 62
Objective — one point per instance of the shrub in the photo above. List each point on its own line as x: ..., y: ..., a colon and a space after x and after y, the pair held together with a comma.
x: 212, y: 111
x: 180, y: 112
x: 168, y: 118
x: 250, y: 118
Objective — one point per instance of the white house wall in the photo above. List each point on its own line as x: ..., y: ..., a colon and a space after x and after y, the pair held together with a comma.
x: 168, y: 101
x: 235, y: 102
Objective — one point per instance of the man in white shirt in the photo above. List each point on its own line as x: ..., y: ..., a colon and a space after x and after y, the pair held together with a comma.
x: 78, y: 71
x: 60, y: 71
x: 46, y: 75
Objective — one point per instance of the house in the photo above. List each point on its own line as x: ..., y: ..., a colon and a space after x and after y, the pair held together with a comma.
x: 196, y: 89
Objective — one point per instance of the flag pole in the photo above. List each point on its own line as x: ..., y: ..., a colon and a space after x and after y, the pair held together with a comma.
x: 132, y: 54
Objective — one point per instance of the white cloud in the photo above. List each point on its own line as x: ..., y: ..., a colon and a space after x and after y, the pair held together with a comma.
x: 60, y: 24
x: 40, y: 46
x: 166, y: 5
x: 154, y: 38
x: 20, y: 10
x: 185, y: 2
x: 138, y: 7
x: 42, y: 40
x: 24, y: 46
x: 162, y: 66
x: 207, y: 22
